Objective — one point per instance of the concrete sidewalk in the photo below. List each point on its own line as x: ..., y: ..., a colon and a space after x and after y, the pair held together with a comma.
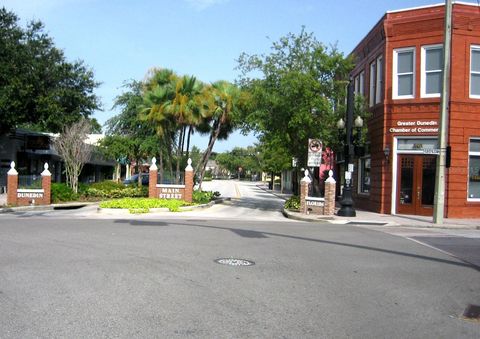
x: 372, y: 218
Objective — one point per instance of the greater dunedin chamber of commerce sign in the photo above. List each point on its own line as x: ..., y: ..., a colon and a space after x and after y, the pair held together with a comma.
x: 415, y: 127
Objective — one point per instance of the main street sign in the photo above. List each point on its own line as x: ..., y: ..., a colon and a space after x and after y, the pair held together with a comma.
x: 314, y: 153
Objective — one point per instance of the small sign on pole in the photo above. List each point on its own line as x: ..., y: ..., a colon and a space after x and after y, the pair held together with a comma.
x: 314, y: 153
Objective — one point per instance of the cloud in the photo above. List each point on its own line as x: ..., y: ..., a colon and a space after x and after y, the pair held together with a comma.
x: 204, y: 4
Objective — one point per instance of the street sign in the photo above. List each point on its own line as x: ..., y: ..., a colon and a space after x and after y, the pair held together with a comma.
x: 314, y: 153
x: 431, y: 151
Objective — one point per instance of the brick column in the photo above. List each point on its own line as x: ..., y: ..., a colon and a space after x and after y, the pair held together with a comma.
x: 46, y: 185
x: 152, y: 179
x: 12, y: 185
x: 189, y: 182
x: 304, y: 192
x: 330, y: 185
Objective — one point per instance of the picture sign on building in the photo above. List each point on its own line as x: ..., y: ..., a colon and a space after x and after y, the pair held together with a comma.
x: 314, y: 153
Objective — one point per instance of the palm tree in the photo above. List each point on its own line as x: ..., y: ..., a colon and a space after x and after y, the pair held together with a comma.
x: 223, y: 100
x: 158, y: 92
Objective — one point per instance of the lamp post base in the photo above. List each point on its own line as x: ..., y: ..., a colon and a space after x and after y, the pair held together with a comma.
x: 347, y: 209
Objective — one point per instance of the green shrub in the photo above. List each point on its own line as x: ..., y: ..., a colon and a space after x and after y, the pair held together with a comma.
x: 107, y: 185
x: 61, y: 192
x: 204, y: 197
x: 143, y: 205
x: 115, y: 192
x: 293, y: 203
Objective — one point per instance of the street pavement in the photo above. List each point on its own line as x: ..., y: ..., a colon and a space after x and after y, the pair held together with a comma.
x: 81, y: 273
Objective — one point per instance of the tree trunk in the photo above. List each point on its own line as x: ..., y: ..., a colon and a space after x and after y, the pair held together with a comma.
x: 208, y: 151
x: 160, y: 170
x: 179, y: 155
x: 190, y: 130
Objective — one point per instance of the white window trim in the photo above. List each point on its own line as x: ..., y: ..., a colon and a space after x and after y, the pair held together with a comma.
x: 372, y: 84
x: 379, y: 80
x: 423, y: 76
x: 395, y: 74
x: 473, y: 96
x: 470, y: 153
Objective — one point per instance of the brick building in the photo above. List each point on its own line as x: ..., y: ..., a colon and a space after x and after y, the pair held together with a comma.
x: 399, y: 72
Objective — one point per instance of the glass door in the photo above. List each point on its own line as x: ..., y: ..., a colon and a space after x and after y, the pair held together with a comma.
x: 416, y: 184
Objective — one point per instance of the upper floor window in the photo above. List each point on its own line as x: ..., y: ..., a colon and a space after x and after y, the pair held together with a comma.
x: 373, y: 83
x: 432, y: 71
x: 475, y: 72
x: 403, y: 73
x: 379, y: 80
x: 360, y: 83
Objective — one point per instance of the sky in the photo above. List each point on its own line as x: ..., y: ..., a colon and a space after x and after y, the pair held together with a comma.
x: 122, y: 39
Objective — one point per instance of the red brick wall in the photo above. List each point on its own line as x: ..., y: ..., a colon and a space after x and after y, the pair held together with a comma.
x: 417, y: 28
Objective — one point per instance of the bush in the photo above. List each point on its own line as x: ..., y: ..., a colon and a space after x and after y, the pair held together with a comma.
x: 204, y: 197
x: 124, y: 192
x: 293, y: 203
x: 142, y: 205
x: 107, y: 185
x: 61, y: 192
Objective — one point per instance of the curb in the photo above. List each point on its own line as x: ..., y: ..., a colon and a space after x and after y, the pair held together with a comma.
x: 320, y: 219
x: 51, y: 207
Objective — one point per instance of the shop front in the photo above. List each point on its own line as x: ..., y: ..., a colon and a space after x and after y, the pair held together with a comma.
x: 413, y: 179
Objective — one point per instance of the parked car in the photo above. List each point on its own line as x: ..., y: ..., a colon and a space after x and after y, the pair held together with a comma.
x: 134, y: 179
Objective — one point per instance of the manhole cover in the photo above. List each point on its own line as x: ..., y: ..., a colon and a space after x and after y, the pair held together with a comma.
x: 472, y: 312
x: 234, y: 262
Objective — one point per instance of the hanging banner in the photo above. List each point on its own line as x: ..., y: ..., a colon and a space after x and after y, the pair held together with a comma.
x: 314, y: 153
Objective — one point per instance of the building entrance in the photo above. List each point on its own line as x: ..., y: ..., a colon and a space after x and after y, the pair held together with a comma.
x: 416, y: 184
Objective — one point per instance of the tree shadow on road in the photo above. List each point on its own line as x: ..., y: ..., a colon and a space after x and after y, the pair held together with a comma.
x: 245, y: 233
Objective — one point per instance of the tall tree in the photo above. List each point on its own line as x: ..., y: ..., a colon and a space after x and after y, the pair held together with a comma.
x: 38, y: 87
x: 299, y: 93
x: 138, y: 136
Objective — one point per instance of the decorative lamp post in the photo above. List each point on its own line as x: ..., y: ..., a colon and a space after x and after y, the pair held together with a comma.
x: 347, y: 209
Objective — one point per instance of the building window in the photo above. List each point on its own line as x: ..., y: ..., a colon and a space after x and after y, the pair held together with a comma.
x: 364, y: 175
x: 474, y: 170
x: 432, y: 70
x: 403, y: 73
x: 379, y: 82
x: 475, y: 72
x: 362, y: 83
x: 371, y: 95
x: 359, y: 82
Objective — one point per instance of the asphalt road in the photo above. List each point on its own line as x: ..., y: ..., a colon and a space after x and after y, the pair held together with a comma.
x: 65, y: 274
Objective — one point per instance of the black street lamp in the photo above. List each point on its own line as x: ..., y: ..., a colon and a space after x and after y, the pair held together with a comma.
x: 349, y: 150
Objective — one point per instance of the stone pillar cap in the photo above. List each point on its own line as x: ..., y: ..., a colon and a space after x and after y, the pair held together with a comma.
x: 306, y: 178
x: 46, y: 172
x: 154, y: 167
x: 189, y: 165
x: 12, y: 170
x: 330, y: 177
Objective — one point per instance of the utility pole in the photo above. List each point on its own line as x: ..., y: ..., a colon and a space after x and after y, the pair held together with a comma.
x: 439, y: 198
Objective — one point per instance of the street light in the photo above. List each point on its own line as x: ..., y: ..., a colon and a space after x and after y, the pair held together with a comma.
x: 347, y: 209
